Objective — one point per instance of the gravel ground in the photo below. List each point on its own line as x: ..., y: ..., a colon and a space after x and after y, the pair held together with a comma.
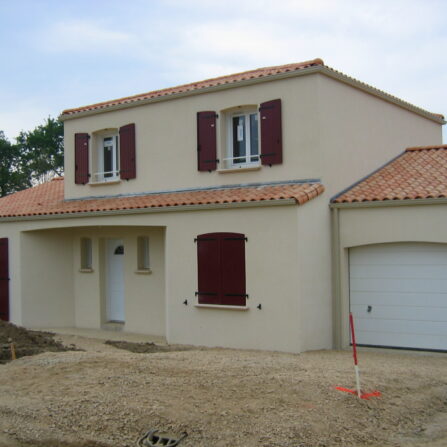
x: 107, y: 397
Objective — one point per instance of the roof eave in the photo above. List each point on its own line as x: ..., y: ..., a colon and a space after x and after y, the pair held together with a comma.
x: 388, y: 203
x: 290, y: 74
x: 200, y: 91
x: 164, y: 209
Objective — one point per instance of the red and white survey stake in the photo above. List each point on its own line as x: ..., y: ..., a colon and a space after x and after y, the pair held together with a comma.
x: 354, y: 354
x: 358, y: 390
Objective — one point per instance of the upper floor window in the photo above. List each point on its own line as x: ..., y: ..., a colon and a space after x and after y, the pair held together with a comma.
x: 242, y: 139
x: 249, y: 136
x: 109, y: 156
x: 107, y: 167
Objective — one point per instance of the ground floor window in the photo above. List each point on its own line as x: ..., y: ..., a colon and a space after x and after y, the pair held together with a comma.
x: 221, y: 269
x: 86, y: 254
x: 143, y: 253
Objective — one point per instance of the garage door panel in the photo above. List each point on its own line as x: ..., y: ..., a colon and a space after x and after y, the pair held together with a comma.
x: 429, y: 271
x: 401, y: 326
x: 413, y: 313
x: 396, y: 299
x: 406, y: 286
x: 409, y: 285
x: 398, y: 254
x: 403, y: 340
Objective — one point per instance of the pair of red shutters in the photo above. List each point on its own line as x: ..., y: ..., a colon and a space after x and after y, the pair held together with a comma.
x: 221, y: 269
x: 127, y: 155
x: 4, y: 280
x: 271, y: 136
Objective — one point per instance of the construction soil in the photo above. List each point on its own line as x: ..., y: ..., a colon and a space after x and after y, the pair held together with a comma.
x: 108, y: 397
x: 26, y: 342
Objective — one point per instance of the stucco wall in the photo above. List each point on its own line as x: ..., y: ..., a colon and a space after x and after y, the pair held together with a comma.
x: 46, y: 262
x: 379, y: 225
x: 166, y: 138
x: 314, y: 266
x: 280, y: 260
x: 330, y: 131
x: 360, y: 132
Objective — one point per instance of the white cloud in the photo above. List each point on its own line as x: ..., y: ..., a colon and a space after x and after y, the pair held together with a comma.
x: 83, y: 36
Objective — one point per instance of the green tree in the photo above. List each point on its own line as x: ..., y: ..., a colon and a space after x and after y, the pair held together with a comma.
x: 14, y: 174
x: 42, y: 150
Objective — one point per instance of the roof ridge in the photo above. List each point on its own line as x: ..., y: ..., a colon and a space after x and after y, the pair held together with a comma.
x: 199, y: 84
x: 424, y: 148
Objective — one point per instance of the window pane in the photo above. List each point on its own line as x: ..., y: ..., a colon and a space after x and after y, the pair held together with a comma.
x: 108, y: 156
x: 254, y: 138
x: 143, y: 252
x: 86, y: 253
x: 239, y: 139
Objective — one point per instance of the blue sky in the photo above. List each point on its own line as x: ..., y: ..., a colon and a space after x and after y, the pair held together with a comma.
x: 59, y: 54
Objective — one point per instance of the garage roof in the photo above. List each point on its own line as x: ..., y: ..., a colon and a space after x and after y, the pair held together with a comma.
x: 47, y: 199
x: 418, y: 173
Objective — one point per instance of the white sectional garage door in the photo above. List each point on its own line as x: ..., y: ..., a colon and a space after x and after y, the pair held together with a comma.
x: 398, y: 295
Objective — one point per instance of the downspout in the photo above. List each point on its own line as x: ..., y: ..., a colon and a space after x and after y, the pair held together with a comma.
x: 336, y: 281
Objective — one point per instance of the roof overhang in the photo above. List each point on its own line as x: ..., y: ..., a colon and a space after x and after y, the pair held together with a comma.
x: 322, y: 69
x: 166, y: 209
x: 389, y: 203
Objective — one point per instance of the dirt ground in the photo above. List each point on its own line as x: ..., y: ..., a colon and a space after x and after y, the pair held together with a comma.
x: 107, y: 397
x: 26, y: 342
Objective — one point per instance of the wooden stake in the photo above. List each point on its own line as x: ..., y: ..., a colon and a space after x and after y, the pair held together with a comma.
x: 13, y: 351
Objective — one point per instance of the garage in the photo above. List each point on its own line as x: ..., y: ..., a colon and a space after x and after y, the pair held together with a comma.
x: 398, y: 295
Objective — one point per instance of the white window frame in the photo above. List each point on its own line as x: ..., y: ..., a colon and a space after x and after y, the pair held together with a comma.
x: 229, y: 160
x: 107, y: 176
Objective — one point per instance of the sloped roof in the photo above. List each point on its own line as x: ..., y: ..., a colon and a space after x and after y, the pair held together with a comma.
x: 418, y: 173
x: 48, y: 199
x: 228, y: 79
x: 234, y: 80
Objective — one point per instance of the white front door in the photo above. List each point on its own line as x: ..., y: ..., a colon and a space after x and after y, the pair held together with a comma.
x: 115, y: 279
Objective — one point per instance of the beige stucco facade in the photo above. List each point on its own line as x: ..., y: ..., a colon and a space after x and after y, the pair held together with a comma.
x: 331, y: 131
x: 52, y: 292
x: 358, y: 225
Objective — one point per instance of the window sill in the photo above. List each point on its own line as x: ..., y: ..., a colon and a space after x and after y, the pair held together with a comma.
x: 219, y: 306
x: 86, y: 270
x: 143, y: 271
x: 241, y: 169
x: 106, y: 182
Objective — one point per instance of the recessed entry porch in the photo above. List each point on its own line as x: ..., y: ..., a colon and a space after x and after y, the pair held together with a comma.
x: 96, y: 277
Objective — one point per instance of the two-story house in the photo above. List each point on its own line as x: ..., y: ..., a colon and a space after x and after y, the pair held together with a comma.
x: 200, y: 213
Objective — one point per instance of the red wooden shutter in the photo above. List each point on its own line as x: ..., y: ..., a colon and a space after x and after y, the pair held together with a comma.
x: 221, y: 269
x: 208, y: 263
x: 81, y: 158
x: 206, y: 141
x: 127, y: 152
x: 271, y: 134
x: 4, y: 280
x: 232, y: 250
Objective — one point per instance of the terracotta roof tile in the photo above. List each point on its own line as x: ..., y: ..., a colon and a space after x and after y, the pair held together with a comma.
x: 228, y: 79
x: 48, y: 199
x: 418, y: 173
